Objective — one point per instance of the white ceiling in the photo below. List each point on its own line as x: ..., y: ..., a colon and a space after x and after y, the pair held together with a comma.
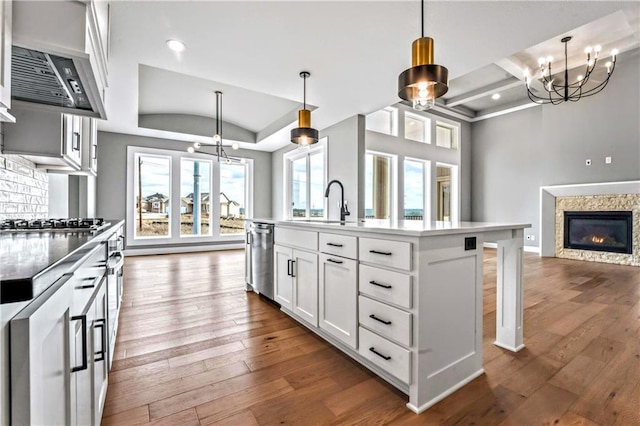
x: 354, y: 51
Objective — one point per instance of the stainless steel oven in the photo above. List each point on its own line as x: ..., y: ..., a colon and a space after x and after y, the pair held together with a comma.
x: 115, y: 280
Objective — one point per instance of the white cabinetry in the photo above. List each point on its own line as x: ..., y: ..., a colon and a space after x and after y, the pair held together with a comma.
x: 5, y: 60
x: 386, y: 326
x: 59, y: 142
x: 41, y: 352
x: 47, y: 138
x: 338, y: 302
x: 89, y: 163
x: 296, y: 275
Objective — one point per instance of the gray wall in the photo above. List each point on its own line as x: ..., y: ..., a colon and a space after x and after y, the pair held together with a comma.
x: 514, y: 154
x: 345, y: 162
x: 112, y: 172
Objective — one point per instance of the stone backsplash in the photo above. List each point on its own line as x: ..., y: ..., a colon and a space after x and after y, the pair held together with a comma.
x: 24, y: 189
x: 624, y: 202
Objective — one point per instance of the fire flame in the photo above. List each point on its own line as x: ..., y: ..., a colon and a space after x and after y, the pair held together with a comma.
x: 597, y: 240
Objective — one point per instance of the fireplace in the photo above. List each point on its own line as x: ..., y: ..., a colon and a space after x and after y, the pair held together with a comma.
x: 605, y: 231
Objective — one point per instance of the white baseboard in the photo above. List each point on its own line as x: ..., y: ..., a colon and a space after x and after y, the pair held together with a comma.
x: 187, y: 249
x: 529, y: 249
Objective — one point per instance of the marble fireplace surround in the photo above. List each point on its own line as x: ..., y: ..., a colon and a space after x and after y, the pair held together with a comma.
x: 548, y: 217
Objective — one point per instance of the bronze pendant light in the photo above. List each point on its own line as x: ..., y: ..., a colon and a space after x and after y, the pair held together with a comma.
x: 304, y: 134
x: 424, y: 81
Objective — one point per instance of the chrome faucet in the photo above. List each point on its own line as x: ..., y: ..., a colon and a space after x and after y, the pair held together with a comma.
x: 344, y: 211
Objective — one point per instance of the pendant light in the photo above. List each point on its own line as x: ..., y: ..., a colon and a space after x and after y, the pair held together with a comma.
x: 424, y: 81
x: 217, y: 137
x: 304, y: 134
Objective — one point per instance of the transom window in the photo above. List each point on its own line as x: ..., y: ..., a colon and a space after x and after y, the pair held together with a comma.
x: 383, y: 121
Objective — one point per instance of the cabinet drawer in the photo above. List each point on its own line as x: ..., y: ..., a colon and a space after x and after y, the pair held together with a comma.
x: 387, y: 355
x: 388, y: 286
x: 385, y: 320
x: 296, y: 238
x: 394, y: 254
x: 339, y: 245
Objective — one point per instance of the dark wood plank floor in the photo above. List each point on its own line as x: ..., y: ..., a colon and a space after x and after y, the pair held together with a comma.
x: 194, y: 349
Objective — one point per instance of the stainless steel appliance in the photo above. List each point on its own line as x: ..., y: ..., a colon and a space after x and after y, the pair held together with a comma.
x: 259, y: 258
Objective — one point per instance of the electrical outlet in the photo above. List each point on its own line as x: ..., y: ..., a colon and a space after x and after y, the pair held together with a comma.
x: 588, y: 162
x: 607, y: 160
x: 533, y: 238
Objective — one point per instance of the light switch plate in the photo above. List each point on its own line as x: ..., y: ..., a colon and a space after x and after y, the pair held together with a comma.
x: 607, y: 160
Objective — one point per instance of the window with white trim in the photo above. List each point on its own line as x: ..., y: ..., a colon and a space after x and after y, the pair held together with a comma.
x: 305, y: 172
x: 380, y: 183
x: 174, y: 197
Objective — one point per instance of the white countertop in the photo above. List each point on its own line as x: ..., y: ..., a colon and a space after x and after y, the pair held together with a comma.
x: 401, y: 227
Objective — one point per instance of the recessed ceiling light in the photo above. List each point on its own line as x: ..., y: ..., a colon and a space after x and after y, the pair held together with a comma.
x: 495, y: 96
x: 176, y: 46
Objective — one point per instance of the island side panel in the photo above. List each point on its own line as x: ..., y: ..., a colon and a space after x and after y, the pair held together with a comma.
x: 509, y: 293
x: 448, y: 322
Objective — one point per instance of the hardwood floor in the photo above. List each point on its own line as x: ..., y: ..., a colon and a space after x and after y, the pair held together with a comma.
x: 194, y: 349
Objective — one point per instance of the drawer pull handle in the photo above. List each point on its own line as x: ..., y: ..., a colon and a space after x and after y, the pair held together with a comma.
x: 386, y: 358
x: 83, y: 322
x: 372, y: 316
x: 380, y: 285
x: 334, y: 261
x: 100, y: 323
x: 334, y: 245
x: 385, y: 253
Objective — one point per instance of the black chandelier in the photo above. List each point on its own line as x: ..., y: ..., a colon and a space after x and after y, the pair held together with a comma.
x: 559, y: 93
x: 304, y: 134
x: 217, y: 137
x: 424, y: 81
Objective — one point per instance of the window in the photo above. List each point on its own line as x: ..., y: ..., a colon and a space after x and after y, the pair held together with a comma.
x: 383, y: 121
x: 174, y: 197
x: 233, y: 197
x: 446, y: 193
x: 417, y: 128
x: 195, y: 197
x: 446, y: 136
x: 306, y: 171
x: 414, y: 189
x: 152, y: 196
x: 378, y: 203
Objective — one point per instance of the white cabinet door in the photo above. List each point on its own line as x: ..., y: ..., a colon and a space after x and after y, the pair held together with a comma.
x: 283, y: 265
x: 100, y: 348
x: 41, y: 359
x: 89, y: 136
x: 72, y: 139
x: 305, y: 286
x: 338, y: 298
x: 82, y: 378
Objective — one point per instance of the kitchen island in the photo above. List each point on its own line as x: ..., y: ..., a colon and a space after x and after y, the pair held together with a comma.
x: 403, y: 298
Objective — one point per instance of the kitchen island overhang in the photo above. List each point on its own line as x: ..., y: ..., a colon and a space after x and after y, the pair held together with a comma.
x: 443, y: 264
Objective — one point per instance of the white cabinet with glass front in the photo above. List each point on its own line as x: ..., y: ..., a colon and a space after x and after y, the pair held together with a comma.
x: 405, y: 298
x: 176, y: 197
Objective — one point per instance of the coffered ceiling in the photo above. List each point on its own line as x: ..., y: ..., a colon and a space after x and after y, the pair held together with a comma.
x: 253, y: 52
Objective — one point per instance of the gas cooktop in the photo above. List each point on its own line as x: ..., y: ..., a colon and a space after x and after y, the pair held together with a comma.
x: 73, y: 224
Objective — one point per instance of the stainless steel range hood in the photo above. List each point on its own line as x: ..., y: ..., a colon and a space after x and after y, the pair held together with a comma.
x: 54, y: 82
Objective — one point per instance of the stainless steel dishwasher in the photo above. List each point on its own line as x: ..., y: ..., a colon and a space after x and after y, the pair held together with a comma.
x: 259, y: 258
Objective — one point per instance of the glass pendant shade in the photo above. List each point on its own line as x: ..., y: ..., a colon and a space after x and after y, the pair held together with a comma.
x: 304, y: 134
